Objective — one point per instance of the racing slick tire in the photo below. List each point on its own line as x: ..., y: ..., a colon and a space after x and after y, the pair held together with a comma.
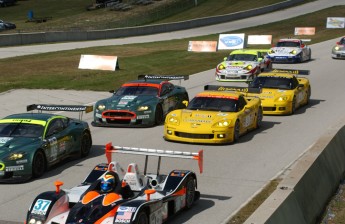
x: 159, y: 115
x: 259, y: 118
x: 142, y: 218
x: 236, y: 131
x: 190, y: 192
x: 85, y: 144
x: 38, y: 164
x: 293, y: 105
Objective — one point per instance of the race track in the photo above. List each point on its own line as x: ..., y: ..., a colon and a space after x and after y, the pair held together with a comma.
x: 232, y: 173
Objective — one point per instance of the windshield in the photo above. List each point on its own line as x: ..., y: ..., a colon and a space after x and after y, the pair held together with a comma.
x: 21, y: 130
x: 272, y: 82
x: 213, y: 104
x: 137, y: 90
x: 242, y: 57
x: 288, y: 44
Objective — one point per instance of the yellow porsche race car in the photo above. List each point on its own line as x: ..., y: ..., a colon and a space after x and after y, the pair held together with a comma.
x: 214, y: 116
x: 281, y: 91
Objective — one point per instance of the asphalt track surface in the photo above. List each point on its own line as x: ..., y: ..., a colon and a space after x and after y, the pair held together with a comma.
x: 232, y: 173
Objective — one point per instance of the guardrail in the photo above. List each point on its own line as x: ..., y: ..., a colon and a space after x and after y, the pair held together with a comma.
x: 67, y: 36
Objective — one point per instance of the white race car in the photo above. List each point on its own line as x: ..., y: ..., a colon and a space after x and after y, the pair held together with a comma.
x: 338, y: 51
x: 290, y: 51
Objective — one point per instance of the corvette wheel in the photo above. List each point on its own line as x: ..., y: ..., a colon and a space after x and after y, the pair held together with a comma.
x: 190, y: 192
x: 38, y: 164
x: 293, y: 105
x: 237, y: 131
x: 159, y: 115
x: 85, y: 144
x: 259, y: 118
x: 142, y: 218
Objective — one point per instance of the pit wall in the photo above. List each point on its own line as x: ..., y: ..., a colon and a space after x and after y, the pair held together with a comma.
x: 303, y: 194
x: 67, y: 36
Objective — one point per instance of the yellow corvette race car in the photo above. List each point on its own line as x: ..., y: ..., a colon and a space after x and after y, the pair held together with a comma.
x: 281, y: 91
x: 214, y: 116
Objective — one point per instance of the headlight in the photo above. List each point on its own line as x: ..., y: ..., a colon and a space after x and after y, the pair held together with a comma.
x: 101, y: 107
x: 15, y: 156
x: 293, y: 52
x: 33, y: 221
x: 283, y: 98
x: 221, y: 67
x: 336, y: 48
x: 143, y: 108
x: 222, y: 124
x: 249, y: 67
x: 173, y: 120
x: 272, y: 52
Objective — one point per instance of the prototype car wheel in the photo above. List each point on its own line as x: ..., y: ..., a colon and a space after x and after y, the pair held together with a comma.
x: 236, y: 131
x: 190, y: 192
x: 38, y: 164
x: 159, y: 115
x: 85, y: 144
x: 142, y: 218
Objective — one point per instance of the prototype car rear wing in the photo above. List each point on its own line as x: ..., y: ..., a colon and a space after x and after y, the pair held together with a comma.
x: 232, y: 88
x: 289, y: 71
x: 199, y: 156
x: 68, y: 108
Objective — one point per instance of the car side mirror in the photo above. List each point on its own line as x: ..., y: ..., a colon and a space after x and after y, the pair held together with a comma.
x: 260, y: 59
x: 338, y: 43
x: 300, y: 85
x: 185, y: 102
x: 226, y: 58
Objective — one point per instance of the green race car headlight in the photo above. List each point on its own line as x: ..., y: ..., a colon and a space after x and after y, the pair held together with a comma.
x: 336, y: 48
x: 143, y: 108
x: 101, y: 107
x: 223, y: 124
x: 293, y: 52
x: 15, y: 156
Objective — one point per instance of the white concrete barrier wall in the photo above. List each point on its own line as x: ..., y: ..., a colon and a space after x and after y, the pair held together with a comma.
x: 49, y: 37
x: 303, y: 194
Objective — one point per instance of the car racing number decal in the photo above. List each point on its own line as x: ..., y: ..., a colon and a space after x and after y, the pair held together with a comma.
x: 41, y: 207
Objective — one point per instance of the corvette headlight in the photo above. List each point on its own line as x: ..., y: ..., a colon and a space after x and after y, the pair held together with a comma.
x: 336, y: 48
x: 283, y: 98
x: 143, y: 108
x: 173, y: 120
x: 222, y: 124
x: 221, y: 67
x: 101, y: 107
x: 15, y: 156
x: 293, y: 52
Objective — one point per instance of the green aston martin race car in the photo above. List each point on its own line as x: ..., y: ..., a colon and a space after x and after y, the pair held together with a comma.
x: 30, y: 143
x: 143, y: 102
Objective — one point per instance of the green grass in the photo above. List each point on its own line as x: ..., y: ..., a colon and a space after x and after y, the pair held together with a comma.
x: 59, y: 70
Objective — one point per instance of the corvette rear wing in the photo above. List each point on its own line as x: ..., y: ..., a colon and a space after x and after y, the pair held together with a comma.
x: 290, y: 71
x: 53, y: 107
x: 199, y: 156
x: 232, y: 88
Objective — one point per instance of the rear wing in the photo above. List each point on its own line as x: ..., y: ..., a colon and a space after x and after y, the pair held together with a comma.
x: 164, y: 77
x: 68, y: 108
x: 289, y: 71
x: 232, y: 88
x: 199, y: 156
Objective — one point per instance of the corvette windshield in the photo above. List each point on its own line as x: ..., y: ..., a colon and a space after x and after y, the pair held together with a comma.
x: 272, y: 82
x: 21, y: 130
x: 137, y: 90
x: 213, y: 104
x: 288, y: 44
x: 242, y: 57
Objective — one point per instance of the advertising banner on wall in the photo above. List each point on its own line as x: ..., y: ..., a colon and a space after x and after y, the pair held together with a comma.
x: 98, y: 62
x: 335, y: 22
x: 304, y: 31
x: 259, y: 39
x: 231, y: 41
x: 202, y: 46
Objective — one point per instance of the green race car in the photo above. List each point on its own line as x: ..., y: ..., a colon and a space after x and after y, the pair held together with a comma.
x: 143, y: 102
x: 30, y: 143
